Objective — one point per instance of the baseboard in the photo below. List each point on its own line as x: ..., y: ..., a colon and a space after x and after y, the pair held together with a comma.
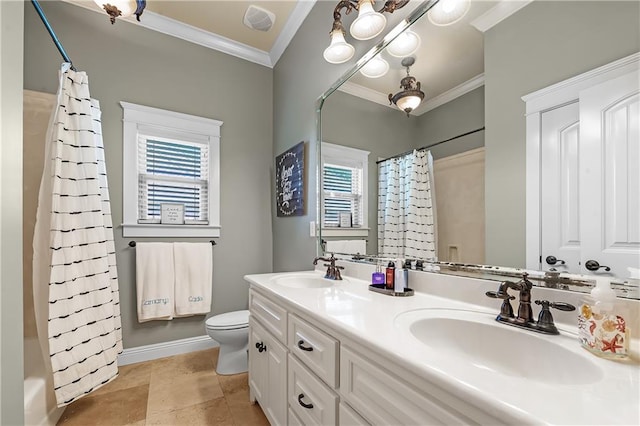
x: 164, y: 349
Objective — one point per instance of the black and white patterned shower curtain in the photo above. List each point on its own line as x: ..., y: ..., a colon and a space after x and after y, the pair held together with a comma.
x: 75, y: 280
x: 406, y: 207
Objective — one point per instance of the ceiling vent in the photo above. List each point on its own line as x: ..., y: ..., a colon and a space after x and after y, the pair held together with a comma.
x: 258, y: 18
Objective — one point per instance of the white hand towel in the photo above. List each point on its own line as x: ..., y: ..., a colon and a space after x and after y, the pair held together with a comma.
x: 155, y: 281
x: 194, y: 264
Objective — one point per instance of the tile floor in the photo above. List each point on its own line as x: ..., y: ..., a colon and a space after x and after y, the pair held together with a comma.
x: 178, y: 390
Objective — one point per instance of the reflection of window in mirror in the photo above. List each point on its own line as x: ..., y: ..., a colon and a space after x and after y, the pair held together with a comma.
x: 344, y: 188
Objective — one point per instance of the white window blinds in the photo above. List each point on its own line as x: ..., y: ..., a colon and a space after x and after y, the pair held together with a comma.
x: 172, y: 172
x: 342, y: 187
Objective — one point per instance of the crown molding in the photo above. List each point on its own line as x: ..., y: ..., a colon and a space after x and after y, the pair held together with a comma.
x: 451, y: 94
x: 295, y: 20
x: 498, y: 13
x: 382, y: 99
x: 165, y: 25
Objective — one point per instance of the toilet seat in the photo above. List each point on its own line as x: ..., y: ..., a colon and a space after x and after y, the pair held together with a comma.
x: 236, y: 320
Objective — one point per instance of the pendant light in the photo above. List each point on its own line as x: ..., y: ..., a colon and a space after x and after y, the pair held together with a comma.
x: 375, y: 68
x: 339, y: 50
x: 410, y: 97
x: 404, y: 45
x: 369, y: 23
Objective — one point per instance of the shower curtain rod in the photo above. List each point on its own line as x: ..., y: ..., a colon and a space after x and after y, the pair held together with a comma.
x: 52, y: 33
x: 432, y: 145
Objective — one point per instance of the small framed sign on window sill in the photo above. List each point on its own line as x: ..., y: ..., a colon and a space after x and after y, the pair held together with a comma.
x: 172, y: 214
x: 345, y: 220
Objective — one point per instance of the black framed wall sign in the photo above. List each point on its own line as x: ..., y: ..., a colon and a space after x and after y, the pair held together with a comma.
x: 290, y: 182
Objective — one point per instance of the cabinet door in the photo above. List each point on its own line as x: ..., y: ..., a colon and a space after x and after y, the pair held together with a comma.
x: 559, y: 193
x: 268, y: 373
x: 610, y: 174
x: 257, y: 363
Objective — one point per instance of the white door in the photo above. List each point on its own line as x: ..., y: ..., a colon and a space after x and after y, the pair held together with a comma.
x: 610, y: 175
x: 559, y: 194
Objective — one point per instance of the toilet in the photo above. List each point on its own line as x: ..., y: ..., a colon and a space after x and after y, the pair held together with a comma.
x: 231, y: 331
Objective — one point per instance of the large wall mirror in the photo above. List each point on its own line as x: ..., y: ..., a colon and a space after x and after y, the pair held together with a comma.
x: 368, y: 143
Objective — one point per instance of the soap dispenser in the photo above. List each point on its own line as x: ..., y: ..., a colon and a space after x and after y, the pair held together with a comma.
x: 602, y: 328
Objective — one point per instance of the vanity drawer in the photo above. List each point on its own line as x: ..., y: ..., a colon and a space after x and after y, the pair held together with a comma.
x: 310, y: 399
x: 271, y: 316
x: 384, y: 399
x: 316, y: 349
x: 293, y: 419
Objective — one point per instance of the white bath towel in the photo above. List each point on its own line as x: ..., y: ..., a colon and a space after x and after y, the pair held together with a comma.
x: 155, y: 281
x: 347, y: 246
x: 193, y: 263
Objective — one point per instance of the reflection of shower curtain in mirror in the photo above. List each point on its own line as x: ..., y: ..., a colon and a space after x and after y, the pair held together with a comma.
x: 406, y: 207
x: 74, y: 266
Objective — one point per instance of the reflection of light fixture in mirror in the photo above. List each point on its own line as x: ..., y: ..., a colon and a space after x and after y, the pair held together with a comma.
x: 447, y: 12
x: 376, y: 67
x: 404, y: 45
x: 410, y: 97
x: 339, y: 50
x: 122, y: 8
x: 367, y: 25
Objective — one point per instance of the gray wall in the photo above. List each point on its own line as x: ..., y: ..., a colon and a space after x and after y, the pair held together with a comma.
x: 544, y: 43
x: 125, y: 62
x: 461, y: 115
x: 11, y: 352
x: 301, y: 76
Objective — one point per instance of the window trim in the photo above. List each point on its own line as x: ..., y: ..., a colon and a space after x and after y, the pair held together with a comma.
x: 338, y: 154
x: 167, y: 124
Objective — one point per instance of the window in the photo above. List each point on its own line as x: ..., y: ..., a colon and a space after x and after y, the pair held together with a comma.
x: 170, y: 158
x: 344, y: 187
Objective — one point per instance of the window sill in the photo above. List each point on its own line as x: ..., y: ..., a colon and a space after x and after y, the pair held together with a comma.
x: 160, y: 230
x: 345, y: 232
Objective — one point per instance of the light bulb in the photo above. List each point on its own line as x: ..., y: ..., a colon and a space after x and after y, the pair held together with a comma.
x: 404, y: 45
x: 375, y: 68
x: 339, y: 50
x: 447, y: 12
x: 369, y: 23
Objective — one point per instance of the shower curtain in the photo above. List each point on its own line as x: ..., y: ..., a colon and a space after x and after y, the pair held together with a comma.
x: 406, y: 207
x: 74, y: 266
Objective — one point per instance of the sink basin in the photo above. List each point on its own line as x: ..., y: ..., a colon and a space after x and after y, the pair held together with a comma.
x: 303, y: 280
x: 489, y: 345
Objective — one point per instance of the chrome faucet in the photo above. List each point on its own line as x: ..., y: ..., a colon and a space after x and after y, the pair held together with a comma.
x: 524, y: 319
x: 333, y: 271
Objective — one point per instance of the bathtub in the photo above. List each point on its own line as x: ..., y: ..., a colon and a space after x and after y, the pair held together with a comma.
x: 39, y: 401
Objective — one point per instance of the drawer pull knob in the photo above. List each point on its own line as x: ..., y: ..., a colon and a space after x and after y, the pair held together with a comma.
x: 304, y: 348
x: 307, y: 406
x: 261, y: 347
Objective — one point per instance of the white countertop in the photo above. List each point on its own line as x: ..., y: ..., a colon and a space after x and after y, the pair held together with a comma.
x: 349, y: 308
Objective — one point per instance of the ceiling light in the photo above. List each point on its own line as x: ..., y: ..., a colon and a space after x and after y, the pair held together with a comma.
x: 447, y: 12
x: 404, y: 45
x: 122, y: 8
x: 410, y: 97
x: 375, y: 68
x: 367, y: 25
x: 339, y: 50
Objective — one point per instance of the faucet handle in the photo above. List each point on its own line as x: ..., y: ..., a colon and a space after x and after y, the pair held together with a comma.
x: 561, y: 306
x: 499, y: 295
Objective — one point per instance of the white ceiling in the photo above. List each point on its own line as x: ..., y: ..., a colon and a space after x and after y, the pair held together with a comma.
x: 449, y: 62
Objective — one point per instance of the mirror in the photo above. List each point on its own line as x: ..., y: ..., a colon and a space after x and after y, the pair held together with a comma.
x: 451, y: 120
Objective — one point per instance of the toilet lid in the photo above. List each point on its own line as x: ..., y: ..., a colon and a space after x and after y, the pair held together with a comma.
x: 229, y: 320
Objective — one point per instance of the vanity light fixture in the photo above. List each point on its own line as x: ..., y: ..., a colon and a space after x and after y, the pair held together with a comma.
x: 447, y: 12
x: 410, y: 97
x: 404, y: 45
x: 369, y: 24
x: 375, y: 68
x: 122, y: 8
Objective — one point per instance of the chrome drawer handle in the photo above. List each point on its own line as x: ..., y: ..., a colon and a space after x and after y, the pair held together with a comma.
x: 307, y: 406
x: 304, y: 348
